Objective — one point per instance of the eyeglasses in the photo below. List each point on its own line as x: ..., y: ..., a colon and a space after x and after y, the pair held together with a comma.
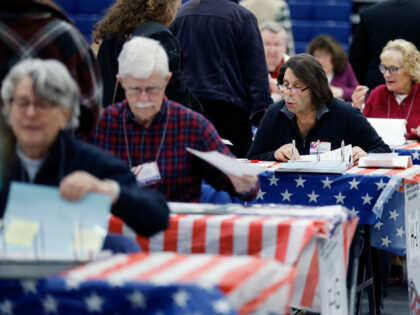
x: 392, y: 69
x: 294, y: 91
x: 43, y: 105
x: 137, y: 91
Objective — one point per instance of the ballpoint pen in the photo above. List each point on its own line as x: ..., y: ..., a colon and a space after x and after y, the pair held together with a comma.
x: 317, y: 151
x: 342, y: 151
x: 293, y: 149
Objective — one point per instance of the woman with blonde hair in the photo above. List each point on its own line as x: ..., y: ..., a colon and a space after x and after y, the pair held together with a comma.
x: 148, y: 18
x: 399, y: 97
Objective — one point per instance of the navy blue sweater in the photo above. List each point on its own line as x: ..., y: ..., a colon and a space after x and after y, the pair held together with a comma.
x: 223, y: 53
x: 336, y: 122
x: 143, y: 210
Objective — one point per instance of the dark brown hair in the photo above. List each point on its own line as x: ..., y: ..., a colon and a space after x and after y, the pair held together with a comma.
x: 124, y: 16
x: 309, y: 71
x: 338, y: 55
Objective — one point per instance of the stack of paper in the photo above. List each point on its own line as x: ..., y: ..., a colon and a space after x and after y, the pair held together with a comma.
x: 387, y: 160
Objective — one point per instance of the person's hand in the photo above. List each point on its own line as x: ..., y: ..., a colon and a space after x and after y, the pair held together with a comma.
x: 357, y: 153
x: 359, y: 95
x: 337, y: 91
x: 243, y: 184
x: 416, y: 131
x: 76, y: 185
x: 285, y: 153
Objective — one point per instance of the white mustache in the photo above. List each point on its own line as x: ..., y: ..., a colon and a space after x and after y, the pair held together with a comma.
x: 290, y: 100
x: 143, y: 105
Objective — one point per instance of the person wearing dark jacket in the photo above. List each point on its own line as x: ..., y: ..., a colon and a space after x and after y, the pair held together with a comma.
x: 147, y: 18
x: 41, y: 104
x: 224, y: 65
x: 379, y: 23
x: 310, y: 113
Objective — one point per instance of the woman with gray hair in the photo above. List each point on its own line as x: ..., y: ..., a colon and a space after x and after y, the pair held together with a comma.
x: 41, y: 103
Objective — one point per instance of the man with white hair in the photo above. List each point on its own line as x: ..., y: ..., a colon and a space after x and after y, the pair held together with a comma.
x: 152, y: 133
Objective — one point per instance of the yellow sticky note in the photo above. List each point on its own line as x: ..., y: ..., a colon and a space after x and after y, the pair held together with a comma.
x: 21, y: 232
x: 87, y: 240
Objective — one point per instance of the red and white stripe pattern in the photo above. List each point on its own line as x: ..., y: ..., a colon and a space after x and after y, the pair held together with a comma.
x: 249, y: 283
x: 414, y: 300
x: 406, y: 173
x: 267, y: 237
x: 290, y: 240
x: 412, y: 146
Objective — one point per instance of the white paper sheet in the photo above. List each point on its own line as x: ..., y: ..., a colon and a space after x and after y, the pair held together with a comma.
x: 226, y: 164
x: 330, y: 156
x: 392, y: 131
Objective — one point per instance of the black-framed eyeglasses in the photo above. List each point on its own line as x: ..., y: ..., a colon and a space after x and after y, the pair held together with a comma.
x: 294, y: 91
x: 393, y: 70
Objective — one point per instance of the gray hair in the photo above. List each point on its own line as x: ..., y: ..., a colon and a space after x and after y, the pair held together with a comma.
x: 142, y: 56
x: 51, y: 80
x: 273, y: 27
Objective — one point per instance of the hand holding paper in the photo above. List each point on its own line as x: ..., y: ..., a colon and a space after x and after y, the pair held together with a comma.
x: 226, y: 164
x: 243, y: 184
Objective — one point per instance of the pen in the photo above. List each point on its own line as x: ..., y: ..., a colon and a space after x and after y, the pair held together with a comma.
x: 293, y: 149
x: 317, y: 151
x: 342, y: 151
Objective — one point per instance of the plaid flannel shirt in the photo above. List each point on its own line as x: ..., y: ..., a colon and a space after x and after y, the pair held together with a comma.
x: 181, y: 172
x: 45, y: 34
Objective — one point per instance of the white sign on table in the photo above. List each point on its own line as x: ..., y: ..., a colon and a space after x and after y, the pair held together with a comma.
x: 412, y: 229
x: 332, y: 280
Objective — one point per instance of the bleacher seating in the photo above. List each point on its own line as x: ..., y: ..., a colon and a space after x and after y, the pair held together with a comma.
x: 309, y: 18
x: 85, y: 13
x: 313, y: 17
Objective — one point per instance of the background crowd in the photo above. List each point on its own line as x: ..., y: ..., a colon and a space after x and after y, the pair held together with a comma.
x: 169, y: 76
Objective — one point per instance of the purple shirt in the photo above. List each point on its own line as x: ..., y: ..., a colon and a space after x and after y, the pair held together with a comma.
x: 347, y: 81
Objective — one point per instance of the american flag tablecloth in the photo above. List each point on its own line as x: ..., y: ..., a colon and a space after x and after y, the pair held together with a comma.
x: 412, y: 149
x: 287, y: 234
x: 375, y: 195
x: 159, y: 283
x: 414, y: 299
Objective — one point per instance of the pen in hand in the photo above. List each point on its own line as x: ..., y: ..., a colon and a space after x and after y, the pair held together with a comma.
x: 293, y: 150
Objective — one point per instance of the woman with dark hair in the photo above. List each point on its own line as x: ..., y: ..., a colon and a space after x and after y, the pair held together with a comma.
x: 334, y: 61
x: 309, y: 113
x: 147, y: 18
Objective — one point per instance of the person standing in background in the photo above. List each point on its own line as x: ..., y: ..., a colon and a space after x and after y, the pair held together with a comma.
x: 147, y: 18
x: 38, y: 29
x: 273, y: 10
x: 379, y: 23
x: 224, y: 65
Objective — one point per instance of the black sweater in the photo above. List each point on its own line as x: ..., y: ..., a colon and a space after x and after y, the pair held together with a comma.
x: 336, y: 122
x: 143, y: 210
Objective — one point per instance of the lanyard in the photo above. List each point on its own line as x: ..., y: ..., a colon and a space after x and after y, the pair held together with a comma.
x: 409, y: 110
x: 165, y: 128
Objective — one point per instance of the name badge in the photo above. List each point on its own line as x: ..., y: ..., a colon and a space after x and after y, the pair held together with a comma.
x: 147, y: 173
x: 323, y: 147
